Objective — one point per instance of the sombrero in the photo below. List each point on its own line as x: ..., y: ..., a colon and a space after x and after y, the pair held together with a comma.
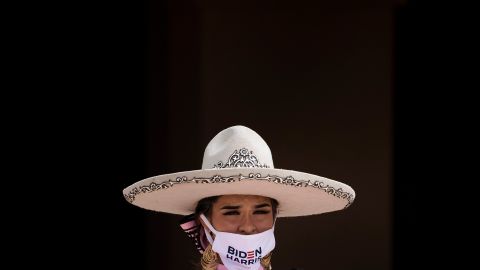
x: 238, y: 161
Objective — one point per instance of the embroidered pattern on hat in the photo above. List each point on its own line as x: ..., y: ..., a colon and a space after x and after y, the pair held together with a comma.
x: 241, y: 158
x: 289, y: 180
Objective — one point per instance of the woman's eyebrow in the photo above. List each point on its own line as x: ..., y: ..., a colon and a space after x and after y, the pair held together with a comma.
x: 262, y: 205
x: 229, y: 207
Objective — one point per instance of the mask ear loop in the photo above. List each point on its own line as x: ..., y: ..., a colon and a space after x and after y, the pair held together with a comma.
x: 275, y: 219
x: 210, y: 227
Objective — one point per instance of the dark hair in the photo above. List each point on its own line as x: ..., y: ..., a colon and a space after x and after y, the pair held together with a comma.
x: 204, y: 206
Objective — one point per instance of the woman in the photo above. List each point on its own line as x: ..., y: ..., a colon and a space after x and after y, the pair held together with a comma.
x: 232, y: 203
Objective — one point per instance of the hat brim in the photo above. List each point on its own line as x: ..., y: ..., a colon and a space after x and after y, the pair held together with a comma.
x: 298, y: 193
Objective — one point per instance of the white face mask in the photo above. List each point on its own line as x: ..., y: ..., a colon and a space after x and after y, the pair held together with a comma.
x: 238, y: 251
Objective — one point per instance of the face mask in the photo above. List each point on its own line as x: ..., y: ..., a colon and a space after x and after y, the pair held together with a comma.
x: 238, y: 251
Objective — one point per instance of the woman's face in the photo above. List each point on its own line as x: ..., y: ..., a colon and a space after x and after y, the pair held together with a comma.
x: 242, y: 214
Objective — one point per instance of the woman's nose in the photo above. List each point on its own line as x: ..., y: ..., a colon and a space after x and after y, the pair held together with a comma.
x: 247, y: 226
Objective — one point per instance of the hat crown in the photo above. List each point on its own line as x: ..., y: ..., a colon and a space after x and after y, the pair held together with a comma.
x: 237, y: 146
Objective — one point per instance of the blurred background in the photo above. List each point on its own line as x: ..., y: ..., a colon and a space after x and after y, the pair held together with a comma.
x: 315, y: 80
x: 343, y: 89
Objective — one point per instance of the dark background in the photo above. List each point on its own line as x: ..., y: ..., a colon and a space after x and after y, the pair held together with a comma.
x: 364, y: 93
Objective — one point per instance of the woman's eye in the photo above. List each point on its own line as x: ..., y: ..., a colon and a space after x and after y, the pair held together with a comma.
x: 229, y: 213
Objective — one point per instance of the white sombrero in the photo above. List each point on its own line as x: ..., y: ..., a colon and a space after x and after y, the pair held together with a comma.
x: 238, y: 161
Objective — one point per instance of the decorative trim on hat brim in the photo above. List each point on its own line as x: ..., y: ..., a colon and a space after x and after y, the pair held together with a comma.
x: 214, y: 182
